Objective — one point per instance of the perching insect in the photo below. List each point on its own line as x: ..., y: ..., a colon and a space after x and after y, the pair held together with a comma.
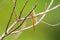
x: 32, y: 16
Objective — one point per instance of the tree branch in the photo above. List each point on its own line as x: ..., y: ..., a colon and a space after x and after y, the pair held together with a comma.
x: 28, y: 17
x: 11, y: 16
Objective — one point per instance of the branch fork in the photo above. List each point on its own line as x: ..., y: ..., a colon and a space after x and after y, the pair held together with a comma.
x: 44, y: 13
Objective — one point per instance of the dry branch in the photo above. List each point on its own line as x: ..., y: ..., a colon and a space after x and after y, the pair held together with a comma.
x: 44, y: 13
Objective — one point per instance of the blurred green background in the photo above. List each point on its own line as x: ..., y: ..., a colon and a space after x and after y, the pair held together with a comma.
x: 42, y: 31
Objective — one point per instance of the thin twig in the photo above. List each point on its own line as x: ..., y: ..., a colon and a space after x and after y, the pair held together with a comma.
x: 50, y: 4
x: 15, y: 9
x: 50, y: 24
x: 22, y: 9
x: 11, y: 16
